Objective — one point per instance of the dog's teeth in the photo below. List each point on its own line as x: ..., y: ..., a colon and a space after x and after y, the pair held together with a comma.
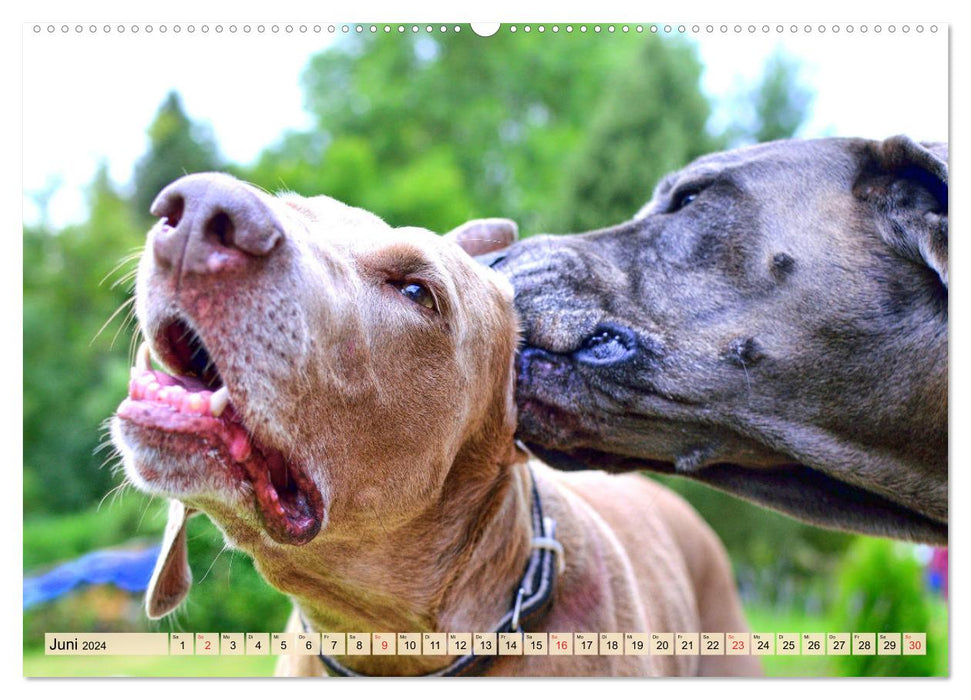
x: 143, y: 360
x: 193, y: 403
x: 219, y: 401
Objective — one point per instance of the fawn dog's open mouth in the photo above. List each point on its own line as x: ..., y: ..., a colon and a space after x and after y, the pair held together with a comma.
x: 190, y: 409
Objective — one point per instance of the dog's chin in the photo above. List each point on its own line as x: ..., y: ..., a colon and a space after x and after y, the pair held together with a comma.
x: 556, y: 424
x: 204, y: 460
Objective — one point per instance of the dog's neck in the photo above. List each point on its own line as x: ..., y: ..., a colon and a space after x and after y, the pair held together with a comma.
x: 454, y: 567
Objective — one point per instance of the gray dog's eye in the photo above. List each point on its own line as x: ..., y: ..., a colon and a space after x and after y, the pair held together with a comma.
x: 682, y: 199
x: 418, y: 293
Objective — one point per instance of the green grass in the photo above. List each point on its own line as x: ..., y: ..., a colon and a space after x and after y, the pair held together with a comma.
x: 37, y: 665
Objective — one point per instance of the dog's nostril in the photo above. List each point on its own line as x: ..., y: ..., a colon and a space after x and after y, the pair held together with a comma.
x: 607, y: 346
x: 169, y: 206
x: 211, y: 224
x: 220, y: 228
x: 601, y: 338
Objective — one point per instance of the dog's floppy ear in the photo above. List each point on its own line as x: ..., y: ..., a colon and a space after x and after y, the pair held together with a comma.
x: 907, y: 184
x: 172, y: 577
x: 484, y: 238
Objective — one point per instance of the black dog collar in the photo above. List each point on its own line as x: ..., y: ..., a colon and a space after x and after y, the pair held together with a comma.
x: 530, y: 601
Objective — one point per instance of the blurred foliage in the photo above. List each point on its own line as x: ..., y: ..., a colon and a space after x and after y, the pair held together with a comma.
x: 775, y: 108
x: 52, y: 539
x: 780, y: 101
x: 881, y: 589
x: 74, y: 376
x: 560, y: 132
x: 649, y: 121
x: 778, y: 560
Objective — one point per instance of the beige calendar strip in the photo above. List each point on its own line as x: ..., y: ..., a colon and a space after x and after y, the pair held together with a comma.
x: 488, y: 644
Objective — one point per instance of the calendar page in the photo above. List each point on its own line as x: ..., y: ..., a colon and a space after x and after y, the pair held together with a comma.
x: 668, y: 399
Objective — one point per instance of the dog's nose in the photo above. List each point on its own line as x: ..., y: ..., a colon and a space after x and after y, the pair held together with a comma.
x: 212, y: 223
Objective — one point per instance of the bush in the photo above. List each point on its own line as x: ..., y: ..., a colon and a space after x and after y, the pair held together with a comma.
x: 880, y: 589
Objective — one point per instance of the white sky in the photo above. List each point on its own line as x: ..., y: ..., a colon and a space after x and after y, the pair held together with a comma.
x: 89, y: 97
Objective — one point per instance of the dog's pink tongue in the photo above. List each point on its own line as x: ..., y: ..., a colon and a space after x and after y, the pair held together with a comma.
x: 239, y: 446
x: 291, y: 506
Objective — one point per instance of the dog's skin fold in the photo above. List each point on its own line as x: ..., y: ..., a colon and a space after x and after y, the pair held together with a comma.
x: 338, y: 397
x: 773, y: 323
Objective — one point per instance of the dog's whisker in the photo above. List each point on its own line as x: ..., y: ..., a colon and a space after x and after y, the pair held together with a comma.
x: 124, y: 325
x: 134, y: 342
x: 105, y: 444
x: 213, y: 562
x: 229, y: 569
x: 112, y: 494
x: 124, y: 305
x: 133, y: 256
x: 127, y: 277
x: 748, y: 382
x: 283, y: 187
x: 148, y: 506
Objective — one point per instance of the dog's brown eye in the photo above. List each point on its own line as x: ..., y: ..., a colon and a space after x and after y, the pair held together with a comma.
x: 418, y: 293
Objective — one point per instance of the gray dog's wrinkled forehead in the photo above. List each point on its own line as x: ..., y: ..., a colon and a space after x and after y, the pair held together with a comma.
x: 791, y: 161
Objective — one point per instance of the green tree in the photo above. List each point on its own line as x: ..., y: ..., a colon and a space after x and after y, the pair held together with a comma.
x: 176, y: 146
x: 649, y: 120
x: 781, y: 101
x: 775, y: 108
x: 432, y: 130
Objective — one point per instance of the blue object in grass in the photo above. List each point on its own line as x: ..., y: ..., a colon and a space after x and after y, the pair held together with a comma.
x: 129, y: 570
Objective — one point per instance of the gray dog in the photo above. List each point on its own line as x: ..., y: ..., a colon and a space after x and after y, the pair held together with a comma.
x: 773, y: 323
